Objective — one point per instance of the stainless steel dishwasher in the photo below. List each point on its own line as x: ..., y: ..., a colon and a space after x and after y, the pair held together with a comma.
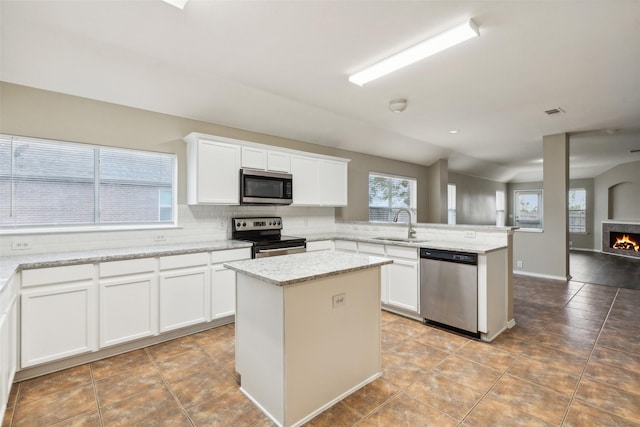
x: 449, y: 289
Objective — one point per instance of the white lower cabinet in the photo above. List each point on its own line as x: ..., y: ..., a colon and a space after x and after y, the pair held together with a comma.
x: 223, y: 282
x: 128, y: 300
x: 58, y: 321
x: 8, y: 341
x: 184, y: 290
x: 320, y: 245
x: 402, y: 284
x: 403, y: 277
x: 400, y: 281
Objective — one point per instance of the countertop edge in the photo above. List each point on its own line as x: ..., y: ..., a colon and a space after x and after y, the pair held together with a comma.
x: 382, y: 261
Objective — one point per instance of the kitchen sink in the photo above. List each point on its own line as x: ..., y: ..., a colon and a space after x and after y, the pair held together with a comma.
x: 400, y: 239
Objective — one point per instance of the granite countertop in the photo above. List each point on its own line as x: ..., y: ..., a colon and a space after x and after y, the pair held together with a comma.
x: 476, y: 247
x: 296, y: 268
x: 10, y: 265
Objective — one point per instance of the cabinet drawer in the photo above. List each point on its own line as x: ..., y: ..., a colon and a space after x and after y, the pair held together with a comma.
x: 130, y: 266
x: 346, y: 245
x: 52, y: 275
x: 371, y: 248
x: 402, y: 252
x: 181, y: 261
x: 322, y: 245
x: 218, y: 257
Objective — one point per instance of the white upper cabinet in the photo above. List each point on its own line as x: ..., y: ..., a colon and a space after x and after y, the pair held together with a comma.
x: 214, y: 164
x: 306, y: 180
x: 278, y: 161
x: 213, y: 173
x: 333, y: 183
x: 254, y: 158
x: 319, y: 182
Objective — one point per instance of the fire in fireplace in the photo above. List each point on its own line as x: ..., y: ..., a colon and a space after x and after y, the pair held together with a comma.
x: 625, y: 241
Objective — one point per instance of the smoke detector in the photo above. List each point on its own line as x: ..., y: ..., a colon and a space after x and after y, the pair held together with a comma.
x: 398, y: 105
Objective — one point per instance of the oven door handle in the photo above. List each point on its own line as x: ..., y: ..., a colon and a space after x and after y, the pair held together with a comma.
x: 264, y: 251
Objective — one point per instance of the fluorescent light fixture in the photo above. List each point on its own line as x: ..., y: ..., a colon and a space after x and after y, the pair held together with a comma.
x: 177, y: 3
x: 428, y: 47
x: 454, y: 131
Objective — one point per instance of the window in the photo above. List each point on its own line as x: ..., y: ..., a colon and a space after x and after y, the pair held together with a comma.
x: 500, y: 204
x: 451, y: 203
x: 46, y: 183
x: 528, y: 208
x: 389, y: 193
x: 577, y: 210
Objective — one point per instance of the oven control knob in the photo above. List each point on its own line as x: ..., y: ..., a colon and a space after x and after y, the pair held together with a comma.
x: 238, y: 224
x: 278, y: 223
x: 244, y: 224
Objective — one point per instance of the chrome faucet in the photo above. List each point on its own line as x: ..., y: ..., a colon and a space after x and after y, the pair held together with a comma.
x: 411, y: 233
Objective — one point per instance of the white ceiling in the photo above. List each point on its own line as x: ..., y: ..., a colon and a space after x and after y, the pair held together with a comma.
x: 281, y: 68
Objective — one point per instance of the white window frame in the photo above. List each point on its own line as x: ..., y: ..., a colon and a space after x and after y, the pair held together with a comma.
x: 500, y: 207
x: 529, y: 224
x: 392, y: 209
x: 95, y: 226
x: 583, y: 230
x: 451, y: 203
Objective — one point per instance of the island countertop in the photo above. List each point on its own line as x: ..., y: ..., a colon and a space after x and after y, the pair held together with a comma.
x: 296, y: 268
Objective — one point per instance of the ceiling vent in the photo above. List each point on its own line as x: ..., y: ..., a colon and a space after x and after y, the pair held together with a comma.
x: 554, y: 111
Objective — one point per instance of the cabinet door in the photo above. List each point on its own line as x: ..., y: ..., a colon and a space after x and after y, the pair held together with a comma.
x: 218, y: 174
x: 333, y: 183
x: 321, y: 245
x: 402, y: 284
x: 305, y: 180
x: 279, y: 162
x: 223, y: 291
x: 57, y: 321
x: 254, y: 158
x: 128, y: 309
x: 184, y: 298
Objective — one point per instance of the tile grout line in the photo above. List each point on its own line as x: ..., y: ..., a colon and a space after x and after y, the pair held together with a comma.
x: 95, y: 393
x: 183, y: 410
x: 529, y: 343
x: 584, y: 369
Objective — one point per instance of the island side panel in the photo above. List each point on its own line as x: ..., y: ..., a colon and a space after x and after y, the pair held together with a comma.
x: 331, y: 348
x: 260, y: 343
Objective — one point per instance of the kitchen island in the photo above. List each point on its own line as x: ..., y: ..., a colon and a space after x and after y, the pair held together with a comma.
x: 307, y: 330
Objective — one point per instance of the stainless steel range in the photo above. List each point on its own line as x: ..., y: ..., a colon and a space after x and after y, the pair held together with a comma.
x: 265, y: 234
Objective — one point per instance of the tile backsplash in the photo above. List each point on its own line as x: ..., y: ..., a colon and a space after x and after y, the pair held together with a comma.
x: 195, y: 224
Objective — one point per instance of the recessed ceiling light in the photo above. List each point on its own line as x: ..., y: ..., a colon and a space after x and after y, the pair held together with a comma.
x: 177, y: 3
x: 454, y: 131
x: 425, y: 48
x: 556, y: 110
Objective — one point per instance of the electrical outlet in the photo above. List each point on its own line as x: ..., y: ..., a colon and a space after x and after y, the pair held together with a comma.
x: 470, y: 234
x: 20, y: 245
x: 306, y: 222
x: 339, y: 300
x: 159, y: 237
x: 519, y: 264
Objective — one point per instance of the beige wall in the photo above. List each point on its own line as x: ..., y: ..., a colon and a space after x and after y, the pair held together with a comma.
x: 605, y: 207
x: 475, y: 199
x: 438, y: 180
x: 32, y: 112
x: 545, y: 252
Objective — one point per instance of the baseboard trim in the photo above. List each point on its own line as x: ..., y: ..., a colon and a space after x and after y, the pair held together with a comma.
x: 541, y: 276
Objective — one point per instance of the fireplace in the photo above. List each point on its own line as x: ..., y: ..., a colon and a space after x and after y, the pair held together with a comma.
x: 621, y: 238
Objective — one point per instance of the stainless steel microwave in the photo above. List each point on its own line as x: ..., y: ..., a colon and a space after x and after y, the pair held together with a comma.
x: 265, y: 188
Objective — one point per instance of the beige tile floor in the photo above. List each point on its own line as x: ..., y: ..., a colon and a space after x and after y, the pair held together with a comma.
x: 573, y: 359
